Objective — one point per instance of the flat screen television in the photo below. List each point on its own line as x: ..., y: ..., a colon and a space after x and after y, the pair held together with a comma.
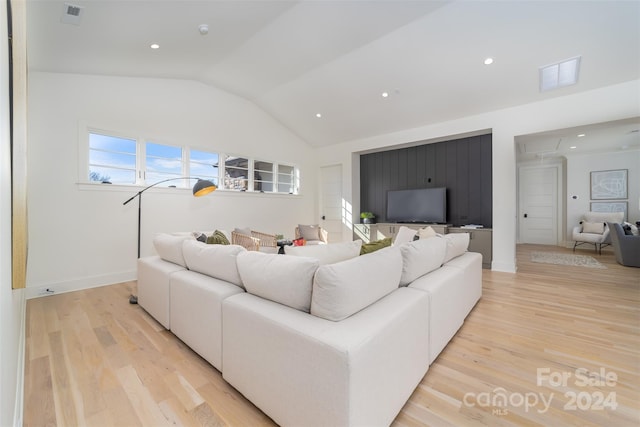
x: 420, y: 205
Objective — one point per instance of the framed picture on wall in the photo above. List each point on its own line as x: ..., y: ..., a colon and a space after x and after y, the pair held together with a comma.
x: 610, y: 207
x: 609, y: 185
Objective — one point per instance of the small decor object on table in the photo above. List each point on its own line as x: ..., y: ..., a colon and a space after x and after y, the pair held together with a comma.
x: 281, y: 242
x: 368, y: 218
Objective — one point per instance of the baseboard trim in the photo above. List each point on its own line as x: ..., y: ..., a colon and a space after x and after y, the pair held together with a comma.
x: 78, y: 284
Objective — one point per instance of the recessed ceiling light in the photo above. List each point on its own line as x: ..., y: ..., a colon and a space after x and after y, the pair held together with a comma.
x: 488, y: 61
x: 573, y: 147
x: 581, y: 135
x: 385, y: 94
x: 155, y: 46
x: 318, y: 115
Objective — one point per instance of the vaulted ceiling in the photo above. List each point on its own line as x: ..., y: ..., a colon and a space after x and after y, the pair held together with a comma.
x: 298, y: 59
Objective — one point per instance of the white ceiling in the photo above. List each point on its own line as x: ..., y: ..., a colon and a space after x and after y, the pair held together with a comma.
x: 298, y: 58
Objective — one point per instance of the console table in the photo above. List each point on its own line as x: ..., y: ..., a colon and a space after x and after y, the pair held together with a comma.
x: 480, y: 239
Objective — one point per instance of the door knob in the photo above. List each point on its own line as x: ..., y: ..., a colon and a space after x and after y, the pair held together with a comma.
x: 323, y: 217
x: 525, y: 215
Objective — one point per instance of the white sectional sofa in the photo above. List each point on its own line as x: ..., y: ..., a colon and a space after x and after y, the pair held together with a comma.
x: 319, y: 336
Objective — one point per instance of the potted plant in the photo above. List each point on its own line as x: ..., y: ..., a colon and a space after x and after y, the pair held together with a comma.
x: 368, y: 218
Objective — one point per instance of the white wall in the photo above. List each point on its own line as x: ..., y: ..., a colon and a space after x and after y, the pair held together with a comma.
x: 578, y: 183
x: 12, y: 303
x: 601, y: 105
x: 81, y: 237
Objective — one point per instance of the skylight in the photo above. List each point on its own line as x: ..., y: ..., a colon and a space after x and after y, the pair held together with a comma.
x: 560, y: 74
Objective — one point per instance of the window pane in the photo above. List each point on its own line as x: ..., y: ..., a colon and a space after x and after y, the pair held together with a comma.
x: 112, y: 175
x: 263, y: 166
x: 287, y: 182
x: 236, y: 173
x: 112, y: 143
x: 204, y: 165
x: 112, y: 159
x: 163, y: 159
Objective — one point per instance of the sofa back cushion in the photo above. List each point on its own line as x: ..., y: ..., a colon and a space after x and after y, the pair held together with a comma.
x: 421, y: 257
x: 327, y: 254
x: 344, y: 288
x: 283, y: 279
x: 218, y: 261
x: 457, y: 244
x: 169, y: 246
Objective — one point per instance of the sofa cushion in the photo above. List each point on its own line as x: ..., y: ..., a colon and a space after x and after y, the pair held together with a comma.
x: 421, y: 257
x: 457, y: 244
x: 327, y: 254
x: 344, y: 288
x: 593, y: 227
x: 283, y: 279
x: 404, y: 235
x: 218, y: 261
x: 169, y: 247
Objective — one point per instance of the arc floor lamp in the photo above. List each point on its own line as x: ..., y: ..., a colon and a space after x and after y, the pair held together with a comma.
x: 201, y: 188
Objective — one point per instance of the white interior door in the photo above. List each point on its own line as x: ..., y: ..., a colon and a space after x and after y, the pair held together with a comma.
x: 331, y: 201
x: 538, y: 200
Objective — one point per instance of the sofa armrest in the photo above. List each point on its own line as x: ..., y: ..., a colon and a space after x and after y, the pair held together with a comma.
x: 304, y: 370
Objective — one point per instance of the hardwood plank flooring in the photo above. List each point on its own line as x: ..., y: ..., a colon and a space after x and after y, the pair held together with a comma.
x: 549, y: 345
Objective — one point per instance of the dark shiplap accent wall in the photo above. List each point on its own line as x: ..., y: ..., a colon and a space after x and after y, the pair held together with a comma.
x: 461, y: 165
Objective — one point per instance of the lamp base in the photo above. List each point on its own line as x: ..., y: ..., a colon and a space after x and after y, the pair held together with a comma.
x: 133, y: 299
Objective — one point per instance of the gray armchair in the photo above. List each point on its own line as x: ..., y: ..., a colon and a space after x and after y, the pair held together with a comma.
x: 626, y: 247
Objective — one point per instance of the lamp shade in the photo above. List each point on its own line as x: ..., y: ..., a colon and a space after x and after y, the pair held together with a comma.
x: 202, y: 187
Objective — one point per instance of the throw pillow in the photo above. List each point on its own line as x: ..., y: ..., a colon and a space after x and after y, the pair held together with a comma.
x: 199, y: 236
x: 370, y: 247
x: 425, y: 233
x: 593, y: 227
x: 405, y: 235
x: 218, y: 238
x: 309, y: 232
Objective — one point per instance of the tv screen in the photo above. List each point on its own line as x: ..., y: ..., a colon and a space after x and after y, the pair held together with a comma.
x: 419, y: 205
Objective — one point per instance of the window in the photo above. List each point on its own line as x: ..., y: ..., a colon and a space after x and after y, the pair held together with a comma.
x: 236, y: 173
x: 112, y: 159
x: 288, y: 180
x: 162, y: 162
x: 262, y: 176
x: 125, y: 160
x: 204, y: 165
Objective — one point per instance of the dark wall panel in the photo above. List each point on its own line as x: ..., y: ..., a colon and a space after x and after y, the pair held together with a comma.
x: 463, y: 166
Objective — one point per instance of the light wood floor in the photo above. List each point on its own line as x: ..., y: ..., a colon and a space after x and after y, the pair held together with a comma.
x: 93, y: 359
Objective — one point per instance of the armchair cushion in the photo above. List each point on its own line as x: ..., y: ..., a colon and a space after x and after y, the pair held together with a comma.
x: 309, y: 232
x: 593, y: 227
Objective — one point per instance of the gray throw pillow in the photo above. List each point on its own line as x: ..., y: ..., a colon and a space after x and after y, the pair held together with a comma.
x: 309, y: 232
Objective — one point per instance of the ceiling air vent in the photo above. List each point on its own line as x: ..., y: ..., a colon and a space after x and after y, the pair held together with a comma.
x: 71, y: 14
x: 560, y: 74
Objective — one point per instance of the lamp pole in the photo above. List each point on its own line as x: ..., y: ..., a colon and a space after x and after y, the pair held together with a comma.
x: 201, y: 188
